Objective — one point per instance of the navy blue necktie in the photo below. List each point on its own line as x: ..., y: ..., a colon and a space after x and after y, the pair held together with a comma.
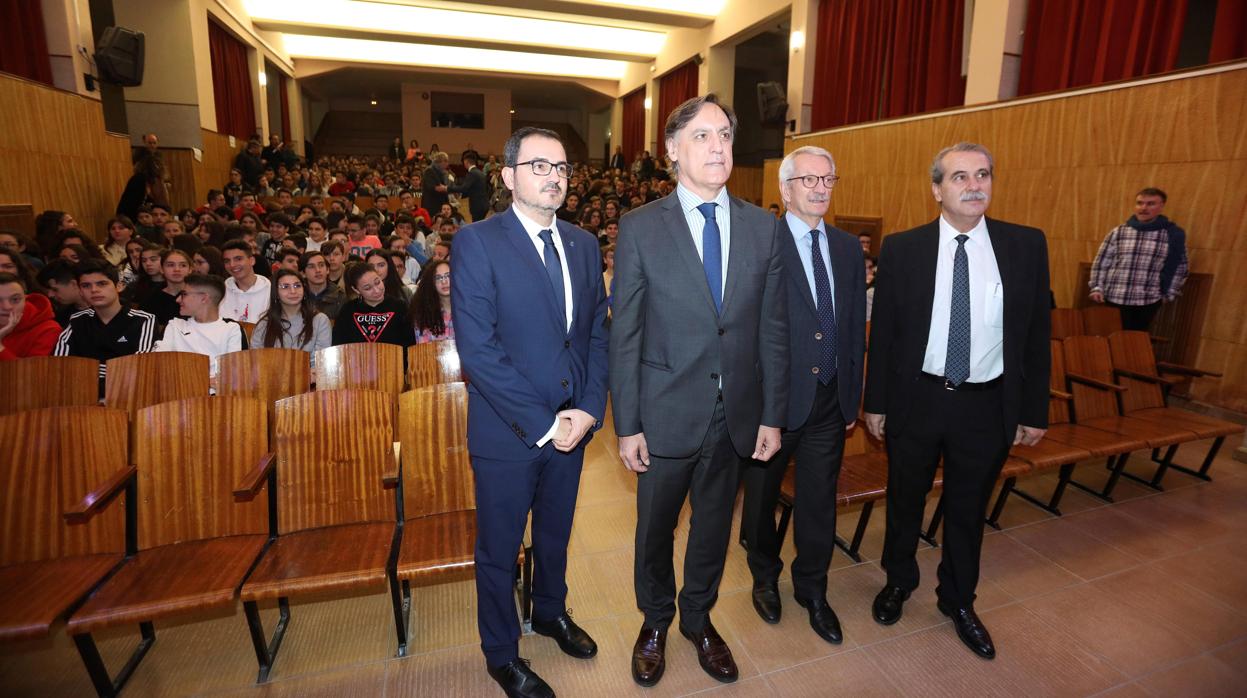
x: 826, y: 313
x: 712, y: 255
x: 554, y: 270
x: 957, y: 359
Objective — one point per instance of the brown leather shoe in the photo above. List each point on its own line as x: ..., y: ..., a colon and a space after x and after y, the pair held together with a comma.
x: 649, y: 656
x: 713, y: 653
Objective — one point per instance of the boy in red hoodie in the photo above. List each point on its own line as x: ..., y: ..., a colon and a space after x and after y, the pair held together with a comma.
x: 27, y: 324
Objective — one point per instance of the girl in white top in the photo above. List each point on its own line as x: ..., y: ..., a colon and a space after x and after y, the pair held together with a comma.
x: 292, y: 321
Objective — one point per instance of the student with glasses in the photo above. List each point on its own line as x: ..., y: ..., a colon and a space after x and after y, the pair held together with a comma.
x: 292, y: 320
x: 430, y: 307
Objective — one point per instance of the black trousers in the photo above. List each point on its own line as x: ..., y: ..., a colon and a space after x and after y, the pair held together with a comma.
x: 708, y: 480
x: 818, y: 447
x: 1137, y: 317
x: 966, y: 429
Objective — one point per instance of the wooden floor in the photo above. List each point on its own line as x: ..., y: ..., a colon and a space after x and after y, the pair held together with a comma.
x: 1143, y: 597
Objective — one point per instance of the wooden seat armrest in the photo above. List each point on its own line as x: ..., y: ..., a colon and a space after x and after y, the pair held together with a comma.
x: 1139, y: 376
x: 254, y: 480
x: 390, y: 477
x: 1093, y: 382
x: 1158, y: 340
x: 98, y: 498
x: 1184, y: 370
x: 1060, y: 394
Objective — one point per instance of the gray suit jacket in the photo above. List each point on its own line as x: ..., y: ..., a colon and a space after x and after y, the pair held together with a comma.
x: 670, y: 350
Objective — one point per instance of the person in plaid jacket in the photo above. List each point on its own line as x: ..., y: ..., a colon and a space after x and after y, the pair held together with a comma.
x: 1141, y: 263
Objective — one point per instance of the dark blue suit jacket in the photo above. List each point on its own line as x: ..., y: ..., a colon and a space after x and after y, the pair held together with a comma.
x: 520, y: 363
x: 848, y: 278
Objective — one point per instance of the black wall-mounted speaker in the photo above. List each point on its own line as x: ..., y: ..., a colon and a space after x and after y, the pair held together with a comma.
x: 119, y: 56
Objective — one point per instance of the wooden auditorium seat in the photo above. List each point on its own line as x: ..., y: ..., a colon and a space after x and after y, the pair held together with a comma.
x: 142, y: 380
x: 1100, y: 320
x: 1147, y: 393
x: 266, y: 374
x: 56, y: 462
x: 1066, y: 322
x: 439, y: 501
x: 48, y: 381
x: 1098, y: 403
x: 196, y: 543
x: 361, y: 366
x: 336, y: 521
x: 432, y: 363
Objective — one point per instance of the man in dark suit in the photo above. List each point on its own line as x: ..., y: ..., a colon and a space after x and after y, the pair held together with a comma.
x: 474, y: 187
x: 699, y: 373
x: 959, y: 372
x: 617, y: 160
x: 434, y: 185
x: 824, y: 272
x: 529, y: 312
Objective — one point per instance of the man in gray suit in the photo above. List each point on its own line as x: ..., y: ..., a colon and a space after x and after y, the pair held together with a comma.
x: 698, y: 372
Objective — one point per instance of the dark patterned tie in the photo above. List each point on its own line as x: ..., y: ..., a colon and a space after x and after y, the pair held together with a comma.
x: 957, y: 359
x: 712, y: 255
x: 826, y: 313
x: 554, y: 270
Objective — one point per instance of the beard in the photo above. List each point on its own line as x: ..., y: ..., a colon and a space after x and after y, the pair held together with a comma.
x: 539, y: 202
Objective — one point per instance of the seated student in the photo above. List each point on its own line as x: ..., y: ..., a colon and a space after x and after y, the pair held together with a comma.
x: 175, y: 265
x: 405, y: 228
x: 359, y: 243
x: 317, y: 233
x: 292, y: 320
x: 287, y: 260
x: 430, y: 308
x: 106, y: 329
x: 381, y: 263
x: 61, y: 282
x: 120, y: 232
x: 151, y: 277
x: 327, y: 296
x: 247, y: 204
x: 279, y: 226
x: 335, y: 257
x: 246, y: 294
x: 208, y: 260
x: 147, y: 227
x: 205, y: 332
x: 27, y: 325
x: 13, y: 242
x: 371, y: 316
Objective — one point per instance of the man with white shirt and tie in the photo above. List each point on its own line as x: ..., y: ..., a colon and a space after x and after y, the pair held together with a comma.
x: 529, y: 312
x: 826, y: 282
x: 959, y: 365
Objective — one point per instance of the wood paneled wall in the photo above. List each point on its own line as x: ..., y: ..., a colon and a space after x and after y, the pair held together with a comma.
x: 1071, y: 166
x: 55, y: 153
x: 746, y: 183
x: 193, y: 178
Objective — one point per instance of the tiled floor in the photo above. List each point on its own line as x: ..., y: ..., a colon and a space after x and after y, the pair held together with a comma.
x: 1140, y: 598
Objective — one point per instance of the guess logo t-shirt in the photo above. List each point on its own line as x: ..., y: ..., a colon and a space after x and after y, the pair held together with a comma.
x: 372, y: 324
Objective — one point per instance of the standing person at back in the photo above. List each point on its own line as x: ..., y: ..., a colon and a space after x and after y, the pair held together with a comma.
x: 474, y: 186
x: 529, y: 315
x: 958, y: 372
x: 1141, y: 263
x: 699, y: 375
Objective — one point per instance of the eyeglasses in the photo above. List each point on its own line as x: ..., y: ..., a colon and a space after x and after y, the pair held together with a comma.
x: 811, y: 181
x: 442, y: 277
x: 290, y: 287
x: 541, y: 168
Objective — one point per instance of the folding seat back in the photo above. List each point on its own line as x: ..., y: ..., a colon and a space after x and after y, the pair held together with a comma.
x: 142, y: 380
x: 1066, y: 322
x: 1101, y: 320
x: 437, y: 476
x: 48, y: 381
x: 361, y: 366
x: 432, y: 363
x: 266, y: 374
x: 1132, y: 351
x: 1088, y: 356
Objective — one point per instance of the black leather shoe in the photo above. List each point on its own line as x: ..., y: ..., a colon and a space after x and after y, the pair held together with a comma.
x: 889, y: 604
x: 766, y: 601
x: 970, y: 629
x: 713, y: 653
x: 520, y: 681
x: 649, y: 656
x: 572, y: 638
x: 823, y: 619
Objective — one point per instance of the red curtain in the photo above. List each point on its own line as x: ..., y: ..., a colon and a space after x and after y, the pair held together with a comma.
x: 231, y: 83
x: 1072, y: 43
x: 285, y: 107
x: 633, y: 137
x: 1229, y: 39
x: 880, y: 59
x: 674, y: 89
x: 23, y: 41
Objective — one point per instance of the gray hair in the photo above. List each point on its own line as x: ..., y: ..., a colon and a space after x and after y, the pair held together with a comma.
x: 789, y: 164
x: 511, y: 151
x: 937, y: 165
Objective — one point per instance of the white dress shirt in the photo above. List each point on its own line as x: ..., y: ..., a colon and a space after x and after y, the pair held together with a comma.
x: 987, y: 305
x: 697, y: 222
x: 805, y: 250
x: 534, y: 234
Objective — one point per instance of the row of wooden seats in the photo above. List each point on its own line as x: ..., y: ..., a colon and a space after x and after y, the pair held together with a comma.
x: 1094, y: 320
x: 181, y: 527
x: 134, y: 382
x: 1119, y: 393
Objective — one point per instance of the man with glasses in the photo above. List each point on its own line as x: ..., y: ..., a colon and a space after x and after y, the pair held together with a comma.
x: 824, y: 272
x: 529, y: 311
x: 699, y: 375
